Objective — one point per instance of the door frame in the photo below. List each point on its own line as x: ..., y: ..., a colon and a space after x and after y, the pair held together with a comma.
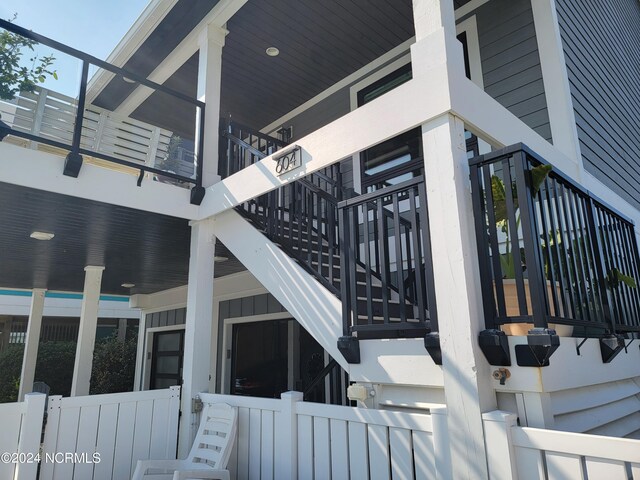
x: 148, y: 352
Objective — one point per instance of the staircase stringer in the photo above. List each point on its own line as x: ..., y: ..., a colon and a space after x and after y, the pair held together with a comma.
x: 317, y: 309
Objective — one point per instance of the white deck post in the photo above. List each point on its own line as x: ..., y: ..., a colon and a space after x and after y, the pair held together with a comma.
x: 211, y: 42
x: 500, y: 452
x: 31, y: 343
x: 286, y: 437
x: 455, y: 265
x: 196, y: 372
x: 87, y: 332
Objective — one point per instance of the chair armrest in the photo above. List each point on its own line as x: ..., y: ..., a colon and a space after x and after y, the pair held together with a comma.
x: 143, y: 465
x: 214, y: 474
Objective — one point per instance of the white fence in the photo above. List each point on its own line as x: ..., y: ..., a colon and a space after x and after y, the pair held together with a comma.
x: 20, y: 431
x: 288, y: 439
x: 532, y: 453
x: 120, y: 428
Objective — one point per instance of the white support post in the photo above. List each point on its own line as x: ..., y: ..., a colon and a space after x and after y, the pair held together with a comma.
x: 500, y: 452
x: 287, y: 437
x: 30, y: 433
x: 31, y: 343
x: 87, y: 331
x: 455, y: 264
x: 196, y: 371
x: 211, y: 42
x: 460, y: 314
x: 556, y: 81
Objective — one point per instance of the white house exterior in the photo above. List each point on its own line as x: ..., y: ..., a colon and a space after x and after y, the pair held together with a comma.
x: 353, y: 233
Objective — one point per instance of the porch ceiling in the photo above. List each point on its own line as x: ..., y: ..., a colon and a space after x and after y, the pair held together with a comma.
x: 320, y: 43
x: 147, y: 249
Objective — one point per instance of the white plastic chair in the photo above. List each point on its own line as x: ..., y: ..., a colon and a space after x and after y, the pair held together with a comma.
x: 209, y: 454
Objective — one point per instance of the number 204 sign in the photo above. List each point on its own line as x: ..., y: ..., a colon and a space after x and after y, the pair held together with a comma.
x: 288, y: 161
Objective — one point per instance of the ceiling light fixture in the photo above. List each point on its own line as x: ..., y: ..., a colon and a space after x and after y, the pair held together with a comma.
x: 219, y: 258
x: 128, y: 285
x: 273, y: 51
x: 42, y: 235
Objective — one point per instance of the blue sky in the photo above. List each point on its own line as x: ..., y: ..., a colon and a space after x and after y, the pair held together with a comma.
x: 92, y: 26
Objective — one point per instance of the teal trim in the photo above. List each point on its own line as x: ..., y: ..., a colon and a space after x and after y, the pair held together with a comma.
x: 16, y: 293
x: 72, y: 296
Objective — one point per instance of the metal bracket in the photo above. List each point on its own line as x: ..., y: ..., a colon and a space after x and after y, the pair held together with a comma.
x: 628, y: 345
x: 140, y: 177
x: 196, y: 405
x: 580, y: 345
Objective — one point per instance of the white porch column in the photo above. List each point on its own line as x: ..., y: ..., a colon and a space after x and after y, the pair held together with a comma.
x: 556, y: 81
x: 87, y: 332
x: 31, y: 343
x: 455, y: 265
x: 211, y: 41
x: 196, y: 371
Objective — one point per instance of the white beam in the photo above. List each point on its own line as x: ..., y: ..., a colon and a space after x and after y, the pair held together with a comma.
x: 556, y: 81
x: 217, y: 17
x: 395, y: 112
x: 87, y: 331
x: 211, y: 42
x: 455, y: 269
x: 196, y: 371
x: 31, y: 341
x: 43, y: 171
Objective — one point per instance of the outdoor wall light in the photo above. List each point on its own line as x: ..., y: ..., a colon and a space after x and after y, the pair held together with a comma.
x: 272, y: 51
x: 42, y: 235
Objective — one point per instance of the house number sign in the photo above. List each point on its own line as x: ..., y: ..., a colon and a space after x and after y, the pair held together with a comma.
x: 289, y: 160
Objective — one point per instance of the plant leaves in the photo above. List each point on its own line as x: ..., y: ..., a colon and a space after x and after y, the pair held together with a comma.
x: 538, y: 176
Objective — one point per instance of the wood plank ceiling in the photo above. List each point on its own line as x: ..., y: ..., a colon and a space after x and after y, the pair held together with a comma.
x: 139, y: 247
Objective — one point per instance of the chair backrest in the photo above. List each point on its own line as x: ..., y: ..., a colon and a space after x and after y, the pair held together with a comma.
x: 215, y: 437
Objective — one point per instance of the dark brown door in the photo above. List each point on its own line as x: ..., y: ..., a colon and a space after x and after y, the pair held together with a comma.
x: 167, y: 357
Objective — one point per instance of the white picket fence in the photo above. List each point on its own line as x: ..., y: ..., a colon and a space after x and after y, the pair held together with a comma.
x: 20, y: 431
x: 532, y: 453
x: 120, y: 428
x: 289, y: 439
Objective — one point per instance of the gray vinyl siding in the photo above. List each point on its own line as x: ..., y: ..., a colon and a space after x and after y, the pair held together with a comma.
x: 601, y: 41
x: 167, y: 318
x: 510, y: 61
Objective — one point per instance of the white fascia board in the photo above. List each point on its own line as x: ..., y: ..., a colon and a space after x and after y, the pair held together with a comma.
x: 146, y: 23
x: 399, y: 110
x: 43, y: 171
x: 218, y: 16
x: 64, y: 307
x: 237, y: 285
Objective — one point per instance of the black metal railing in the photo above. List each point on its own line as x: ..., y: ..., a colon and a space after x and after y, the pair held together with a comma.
x: 241, y: 146
x: 72, y: 129
x: 550, y: 252
x: 386, y: 274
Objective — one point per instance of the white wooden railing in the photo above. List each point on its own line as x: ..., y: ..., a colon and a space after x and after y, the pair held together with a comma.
x: 121, y: 428
x: 287, y: 438
x: 51, y: 115
x: 20, y: 431
x: 533, y: 453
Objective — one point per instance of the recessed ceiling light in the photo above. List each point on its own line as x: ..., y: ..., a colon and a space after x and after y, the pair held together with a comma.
x: 218, y: 258
x: 128, y: 80
x: 42, y: 235
x: 273, y: 51
x: 128, y: 285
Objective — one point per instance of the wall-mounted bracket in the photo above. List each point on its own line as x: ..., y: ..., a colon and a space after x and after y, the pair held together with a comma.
x: 349, y: 348
x: 611, y: 346
x: 72, y: 164
x: 579, y: 346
